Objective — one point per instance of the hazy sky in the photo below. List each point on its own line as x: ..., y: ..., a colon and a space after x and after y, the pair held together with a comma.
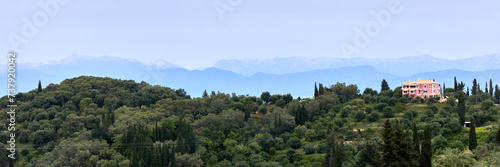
x: 195, y: 34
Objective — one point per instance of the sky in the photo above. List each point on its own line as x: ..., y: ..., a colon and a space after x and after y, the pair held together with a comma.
x: 196, y: 34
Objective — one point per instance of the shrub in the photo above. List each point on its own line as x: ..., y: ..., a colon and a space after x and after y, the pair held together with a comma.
x: 388, y: 112
x: 309, y: 149
x: 294, y: 143
x: 373, y: 117
x: 359, y: 116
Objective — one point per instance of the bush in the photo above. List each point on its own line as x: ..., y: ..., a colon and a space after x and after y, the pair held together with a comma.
x: 281, y: 103
x: 388, y: 112
x: 487, y: 104
x: 344, y: 113
x: 410, y: 114
x: 446, y: 132
x: 381, y: 106
x: 294, y: 143
x: 399, y: 107
x: 439, y: 143
x: 457, y: 144
x: 309, y: 149
x: 359, y: 116
x: 368, y: 110
x: 373, y: 117
x: 25, y: 152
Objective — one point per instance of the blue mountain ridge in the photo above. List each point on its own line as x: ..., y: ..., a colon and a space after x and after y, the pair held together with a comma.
x: 215, y: 79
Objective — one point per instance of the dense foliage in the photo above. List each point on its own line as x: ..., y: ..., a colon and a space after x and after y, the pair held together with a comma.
x: 93, y: 121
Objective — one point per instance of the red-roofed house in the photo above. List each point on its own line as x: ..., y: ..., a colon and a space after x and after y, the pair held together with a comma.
x: 421, y: 88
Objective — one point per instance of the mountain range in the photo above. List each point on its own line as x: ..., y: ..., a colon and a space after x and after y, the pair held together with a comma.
x: 278, y: 75
x: 403, y: 66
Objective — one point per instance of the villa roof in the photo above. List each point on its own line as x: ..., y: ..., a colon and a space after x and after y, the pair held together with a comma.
x: 420, y: 82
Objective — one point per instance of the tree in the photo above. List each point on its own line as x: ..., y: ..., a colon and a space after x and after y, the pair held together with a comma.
x: 389, y: 156
x: 461, y: 107
x: 461, y: 86
x: 360, y: 116
x: 444, y: 88
x: 472, y: 135
x: 474, y: 87
x: 497, y: 93
x: 315, y: 91
x: 491, y: 87
x: 4, y: 160
x: 456, y: 157
x: 426, y: 152
x: 247, y: 115
x: 456, y: 85
x: 369, y: 155
x: 300, y: 115
x: 186, y: 141
x: 39, y: 86
x: 416, y: 143
x: 497, y: 137
x: 388, y: 112
x: 487, y: 104
x: 486, y: 88
x: 385, y: 85
x: 205, y: 94
x: 398, y: 91
x: 335, y: 155
x: 288, y: 98
x: 321, y: 89
x: 265, y: 96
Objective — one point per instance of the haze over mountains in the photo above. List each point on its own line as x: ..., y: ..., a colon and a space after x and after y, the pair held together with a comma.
x: 404, y: 66
x: 278, y: 75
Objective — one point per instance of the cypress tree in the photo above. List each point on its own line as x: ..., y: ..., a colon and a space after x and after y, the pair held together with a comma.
x: 172, y: 157
x: 474, y: 87
x: 461, y: 107
x: 247, y: 115
x: 321, y: 90
x: 444, y: 87
x: 486, y: 87
x: 315, y: 91
x: 426, y: 153
x: 39, y: 86
x: 491, y: 87
x: 472, y: 135
x: 369, y: 155
x: 403, y: 145
x: 389, y: 156
x: 497, y: 137
x: 455, y: 81
x: 497, y: 93
x: 468, y: 94
x: 416, y: 144
x: 334, y: 156
x: 277, y: 124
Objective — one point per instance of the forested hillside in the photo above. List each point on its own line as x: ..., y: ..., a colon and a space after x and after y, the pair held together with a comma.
x: 94, y: 121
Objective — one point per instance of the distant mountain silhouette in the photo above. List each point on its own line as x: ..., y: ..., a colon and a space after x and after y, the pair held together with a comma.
x: 298, y: 82
x: 403, y: 66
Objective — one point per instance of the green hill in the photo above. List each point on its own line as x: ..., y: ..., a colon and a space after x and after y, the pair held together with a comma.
x: 94, y: 121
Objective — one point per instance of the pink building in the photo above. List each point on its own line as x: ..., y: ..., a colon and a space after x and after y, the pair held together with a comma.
x: 421, y: 88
